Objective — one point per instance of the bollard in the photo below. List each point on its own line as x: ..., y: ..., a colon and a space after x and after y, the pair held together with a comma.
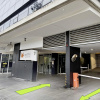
x: 75, y: 80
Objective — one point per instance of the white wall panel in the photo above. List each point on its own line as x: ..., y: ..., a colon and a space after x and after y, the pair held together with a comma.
x: 32, y: 43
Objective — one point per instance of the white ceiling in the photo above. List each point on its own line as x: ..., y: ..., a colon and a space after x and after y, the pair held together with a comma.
x: 72, y: 16
x: 86, y: 48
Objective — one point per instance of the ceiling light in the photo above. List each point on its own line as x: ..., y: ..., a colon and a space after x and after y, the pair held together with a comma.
x: 85, y: 52
x: 91, y: 49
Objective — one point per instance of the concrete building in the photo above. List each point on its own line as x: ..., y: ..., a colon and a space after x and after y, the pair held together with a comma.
x: 49, y: 37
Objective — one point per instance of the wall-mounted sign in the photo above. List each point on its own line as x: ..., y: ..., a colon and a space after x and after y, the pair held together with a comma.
x: 29, y: 55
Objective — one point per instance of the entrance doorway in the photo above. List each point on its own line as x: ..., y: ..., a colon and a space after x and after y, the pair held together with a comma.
x: 6, y: 63
x: 45, y: 64
x: 61, y: 63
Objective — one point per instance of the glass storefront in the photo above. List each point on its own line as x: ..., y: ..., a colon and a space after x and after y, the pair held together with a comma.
x: 6, y: 63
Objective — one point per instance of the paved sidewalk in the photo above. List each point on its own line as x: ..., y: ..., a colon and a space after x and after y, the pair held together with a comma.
x: 8, y: 86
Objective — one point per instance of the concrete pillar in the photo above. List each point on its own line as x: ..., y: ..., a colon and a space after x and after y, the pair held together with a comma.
x: 23, y: 68
x: 71, y: 66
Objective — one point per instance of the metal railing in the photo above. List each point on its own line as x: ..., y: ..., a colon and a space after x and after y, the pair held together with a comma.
x: 38, y: 4
x: 86, y: 68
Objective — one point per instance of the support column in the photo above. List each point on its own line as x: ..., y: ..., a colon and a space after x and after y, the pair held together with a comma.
x: 67, y: 66
x: 71, y: 66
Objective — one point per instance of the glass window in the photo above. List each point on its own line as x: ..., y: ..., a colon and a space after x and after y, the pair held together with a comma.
x: 4, y: 16
x: 12, y: 2
x: 18, y: 4
x: 6, y: 25
x: 5, y: 58
x: 23, y: 14
x: 1, y: 28
x: 30, y: 10
x: 46, y: 2
x: 9, y: 6
x: 11, y: 57
x: 14, y: 20
x: 25, y: 1
x: 2, y: 12
x: 11, y: 10
x: 6, y: 7
x: 11, y: 22
x: 39, y: 1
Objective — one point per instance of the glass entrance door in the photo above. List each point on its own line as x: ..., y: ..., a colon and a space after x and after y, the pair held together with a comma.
x: 6, y: 63
x: 41, y: 64
x: 45, y: 64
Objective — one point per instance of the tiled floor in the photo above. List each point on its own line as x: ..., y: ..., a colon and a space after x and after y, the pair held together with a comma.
x: 8, y: 86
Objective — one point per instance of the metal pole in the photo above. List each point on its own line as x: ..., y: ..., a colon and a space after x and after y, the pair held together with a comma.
x: 1, y: 63
x: 49, y: 64
x: 8, y: 64
x: 60, y: 69
x: 88, y: 67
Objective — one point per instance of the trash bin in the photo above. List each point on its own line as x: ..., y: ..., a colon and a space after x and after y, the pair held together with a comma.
x: 75, y: 80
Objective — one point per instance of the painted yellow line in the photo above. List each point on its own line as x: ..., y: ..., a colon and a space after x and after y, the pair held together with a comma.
x: 24, y: 91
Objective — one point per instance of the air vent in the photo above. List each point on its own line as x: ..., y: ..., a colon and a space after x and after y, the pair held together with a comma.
x: 85, y: 35
x: 54, y: 41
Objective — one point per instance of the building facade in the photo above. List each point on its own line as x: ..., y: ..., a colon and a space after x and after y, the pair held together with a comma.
x: 57, y: 29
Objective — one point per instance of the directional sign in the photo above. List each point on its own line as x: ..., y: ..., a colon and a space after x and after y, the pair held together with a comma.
x: 24, y: 91
x: 87, y: 97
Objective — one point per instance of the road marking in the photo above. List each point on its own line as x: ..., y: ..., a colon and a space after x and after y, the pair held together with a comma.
x: 87, y: 97
x: 24, y: 91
